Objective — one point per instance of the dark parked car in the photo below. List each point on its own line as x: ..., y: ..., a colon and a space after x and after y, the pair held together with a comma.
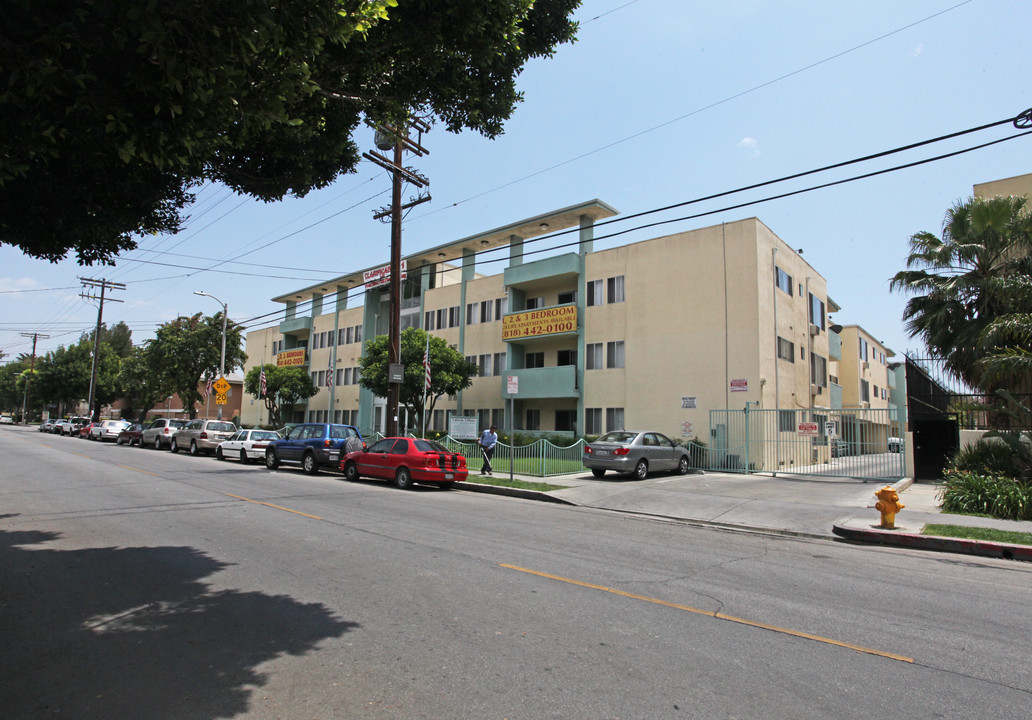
x: 313, y: 445
x: 130, y: 436
x: 630, y: 451
x: 405, y: 461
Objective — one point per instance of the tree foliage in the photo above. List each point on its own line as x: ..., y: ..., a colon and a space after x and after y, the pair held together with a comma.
x: 125, y: 105
x: 963, y: 282
x: 450, y: 372
x: 284, y: 386
x: 139, y: 378
x: 188, y: 348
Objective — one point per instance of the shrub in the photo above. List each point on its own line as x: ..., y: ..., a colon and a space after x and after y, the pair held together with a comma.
x: 986, y: 493
x: 989, y: 456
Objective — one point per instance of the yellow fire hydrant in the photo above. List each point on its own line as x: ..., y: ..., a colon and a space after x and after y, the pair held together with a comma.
x: 888, y: 505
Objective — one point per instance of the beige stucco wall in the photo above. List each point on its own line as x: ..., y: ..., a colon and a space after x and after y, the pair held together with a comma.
x: 1019, y: 185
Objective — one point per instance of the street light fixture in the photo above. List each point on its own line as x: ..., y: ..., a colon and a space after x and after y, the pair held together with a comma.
x: 225, y: 314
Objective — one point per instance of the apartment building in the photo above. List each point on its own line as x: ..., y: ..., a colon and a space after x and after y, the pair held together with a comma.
x: 654, y: 334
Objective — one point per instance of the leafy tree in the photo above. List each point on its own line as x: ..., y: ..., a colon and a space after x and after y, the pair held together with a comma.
x: 188, y: 348
x: 125, y: 106
x: 119, y: 337
x: 450, y: 372
x: 64, y: 375
x: 139, y: 383
x: 283, y: 386
x: 12, y: 385
x: 958, y: 281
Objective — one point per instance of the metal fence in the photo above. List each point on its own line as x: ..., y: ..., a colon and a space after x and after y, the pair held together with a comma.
x: 862, y: 444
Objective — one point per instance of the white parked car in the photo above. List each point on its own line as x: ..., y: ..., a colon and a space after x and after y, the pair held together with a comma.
x: 6, y: 420
x: 247, y: 445
x: 108, y: 429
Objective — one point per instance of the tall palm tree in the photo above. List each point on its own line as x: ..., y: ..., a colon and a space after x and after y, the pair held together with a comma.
x: 955, y: 280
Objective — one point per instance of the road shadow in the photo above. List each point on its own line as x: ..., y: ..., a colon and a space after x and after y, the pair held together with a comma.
x: 115, y: 632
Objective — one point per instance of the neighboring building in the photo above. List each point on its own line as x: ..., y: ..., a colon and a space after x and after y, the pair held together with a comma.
x: 651, y: 334
x: 1020, y: 185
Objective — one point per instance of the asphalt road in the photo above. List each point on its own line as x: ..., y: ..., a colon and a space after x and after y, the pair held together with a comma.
x: 141, y: 584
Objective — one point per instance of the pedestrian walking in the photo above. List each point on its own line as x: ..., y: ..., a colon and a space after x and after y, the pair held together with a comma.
x: 488, y: 440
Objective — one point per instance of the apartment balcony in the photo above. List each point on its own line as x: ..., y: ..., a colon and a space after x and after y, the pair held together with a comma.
x: 297, y: 326
x: 834, y: 346
x: 836, y: 396
x: 546, y: 382
x: 549, y: 270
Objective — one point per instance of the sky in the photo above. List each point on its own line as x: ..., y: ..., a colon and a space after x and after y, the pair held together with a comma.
x: 659, y: 102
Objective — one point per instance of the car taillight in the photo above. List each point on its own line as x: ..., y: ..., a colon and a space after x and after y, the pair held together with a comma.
x: 327, y: 443
x: 621, y: 451
x: 588, y: 450
x: 258, y: 446
x: 203, y: 435
x: 166, y: 430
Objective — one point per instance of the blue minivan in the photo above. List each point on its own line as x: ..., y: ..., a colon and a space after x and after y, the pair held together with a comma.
x: 313, y: 445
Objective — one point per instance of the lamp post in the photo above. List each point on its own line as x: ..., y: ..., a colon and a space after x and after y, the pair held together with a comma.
x: 225, y: 314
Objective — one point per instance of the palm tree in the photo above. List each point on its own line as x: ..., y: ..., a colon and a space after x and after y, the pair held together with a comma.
x: 956, y: 281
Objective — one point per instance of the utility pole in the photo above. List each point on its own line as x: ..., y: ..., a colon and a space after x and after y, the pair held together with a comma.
x: 32, y: 370
x: 89, y: 288
x: 386, y: 138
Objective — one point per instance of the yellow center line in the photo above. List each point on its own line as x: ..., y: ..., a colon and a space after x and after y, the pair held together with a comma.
x: 258, y: 502
x: 718, y: 615
x: 130, y: 467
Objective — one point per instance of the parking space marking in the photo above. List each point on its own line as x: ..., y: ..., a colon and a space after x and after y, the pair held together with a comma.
x: 714, y: 614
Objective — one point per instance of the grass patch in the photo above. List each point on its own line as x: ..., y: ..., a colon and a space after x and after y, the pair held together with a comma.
x: 520, y: 484
x: 978, y: 533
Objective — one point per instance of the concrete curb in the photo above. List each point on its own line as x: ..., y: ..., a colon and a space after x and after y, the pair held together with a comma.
x: 512, y: 492
x: 897, y: 538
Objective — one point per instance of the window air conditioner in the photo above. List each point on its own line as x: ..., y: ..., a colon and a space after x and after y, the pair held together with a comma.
x: 814, y: 330
x: 815, y: 390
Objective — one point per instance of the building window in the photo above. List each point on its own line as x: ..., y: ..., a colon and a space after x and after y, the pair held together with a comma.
x: 472, y: 313
x: 614, y: 419
x: 485, y: 365
x: 593, y: 421
x: 786, y: 421
x: 442, y: 317
x: 483, y: 419
x: 783, y: 280
x: 876, y: 394
x: 501, y: 307
x: 818, y: 370
x: 358, y: 333
x: 615, y: 354
x: 534, y: 360
x: 438, y: 421
x: 863, y: 349
x: 593, y: 356
x: 499, y: 363
x: 565, y: 298
x: 428, y: 320
x: 535, y: 303
x: 567, y: 357
x: 533, y: 420
x: 453, y: 316
x: 594, y: 292
x: 865, y: 391
x: 817, y: 311
x: 615, y: 289
x: 786, y: 349
x: 485, y: 311
x: 566, y: 420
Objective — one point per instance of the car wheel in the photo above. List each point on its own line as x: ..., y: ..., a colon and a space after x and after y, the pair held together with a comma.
x: 309, y: 464
x: 641, y: 469
x: 174, y: 446
x: 403, y: 479
x: 118, y: 440
x: 271, y: 461
x: 351, y: 470
x: 218, y: 454
x: 193, y: 448
x: 243, y: 457
x: 598, y: 472
x: 682, y: 465
x: 157, y: 442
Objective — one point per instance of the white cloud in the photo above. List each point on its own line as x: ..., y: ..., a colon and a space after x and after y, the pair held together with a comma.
x: 749, y: 143
x: 14, y: 284
x: 917, y: 51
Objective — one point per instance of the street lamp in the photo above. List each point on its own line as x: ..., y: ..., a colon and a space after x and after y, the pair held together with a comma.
x: 225, y: 314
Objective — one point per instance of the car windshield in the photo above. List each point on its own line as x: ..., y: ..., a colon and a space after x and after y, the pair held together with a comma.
x: 264, y: 435
x: 618, y: 437
x: 430, y: 446
x: 177, y: 423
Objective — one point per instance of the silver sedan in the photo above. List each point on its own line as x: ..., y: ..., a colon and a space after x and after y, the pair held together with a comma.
x: 637, y: 452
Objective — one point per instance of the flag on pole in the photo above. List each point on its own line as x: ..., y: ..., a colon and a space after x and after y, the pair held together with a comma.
x: 426, y: 361
x: 329, y: 372
x: 211, y: 381
x: 261, y: 383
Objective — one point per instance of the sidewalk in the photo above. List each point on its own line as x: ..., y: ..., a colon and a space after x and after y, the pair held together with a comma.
x: 797, y: 505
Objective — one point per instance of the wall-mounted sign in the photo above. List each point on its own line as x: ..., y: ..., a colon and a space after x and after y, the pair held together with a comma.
x: 688, y: 402
x: 513, y: 384
x: 687, y: 429
x: 462, y: 427
x: 290, y: 358
x: 546, y: 321
x: 807, y: 429
x: 740, y: 385
x: 382, y: 276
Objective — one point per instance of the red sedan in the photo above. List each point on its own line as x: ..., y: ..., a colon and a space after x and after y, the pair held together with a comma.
x: 406, y: 461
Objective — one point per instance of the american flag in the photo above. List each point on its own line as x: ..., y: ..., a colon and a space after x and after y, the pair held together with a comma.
x: 329, y: 373
x: 211, y: 381
x: 261, y: 382
x: 426, y: 363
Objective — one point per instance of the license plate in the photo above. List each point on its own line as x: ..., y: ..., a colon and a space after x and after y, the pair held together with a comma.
x: 602, y: 453
x: 449, y: 476
x: 334, y: 454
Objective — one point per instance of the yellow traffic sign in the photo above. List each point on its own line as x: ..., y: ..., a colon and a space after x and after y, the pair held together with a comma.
x: 221, y: 386
x: 220, y: 398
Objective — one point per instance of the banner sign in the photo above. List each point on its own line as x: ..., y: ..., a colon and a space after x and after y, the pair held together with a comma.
x: 382, y: 276
x: 533, y: 323
x: 290, y: 358
x: 463, y: 427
